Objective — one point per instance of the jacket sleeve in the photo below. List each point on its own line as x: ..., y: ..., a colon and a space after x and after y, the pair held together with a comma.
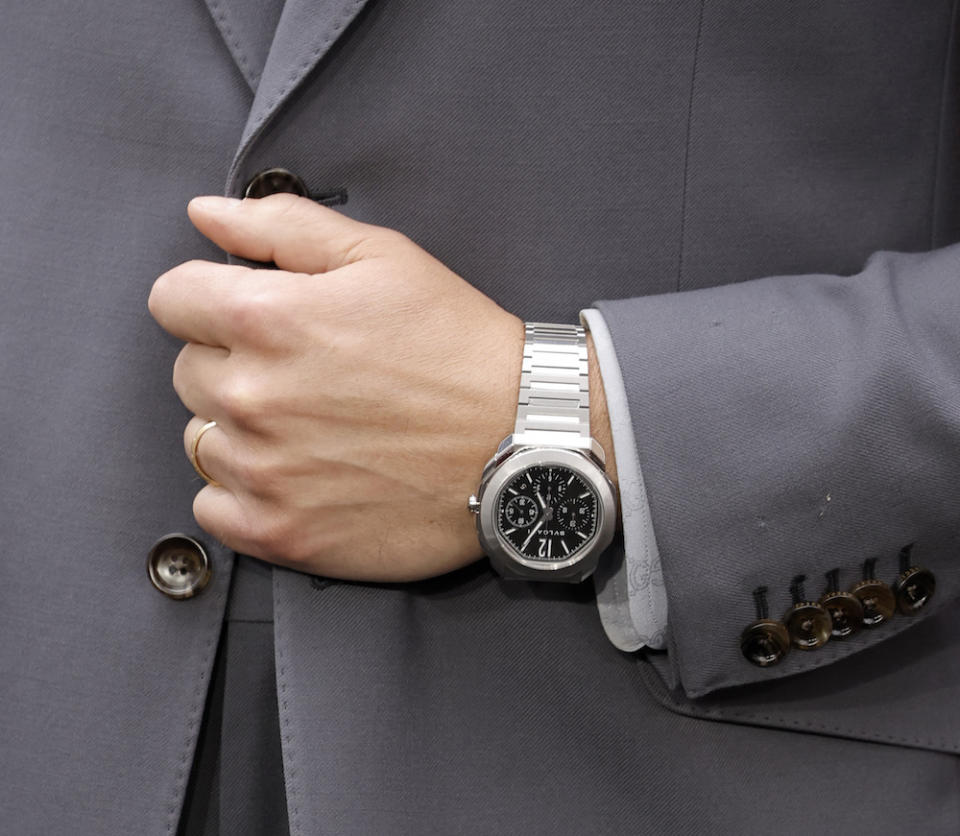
x: 793, y: 426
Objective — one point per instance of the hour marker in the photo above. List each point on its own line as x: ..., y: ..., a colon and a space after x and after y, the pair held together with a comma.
x: 529, y: 477
x: 530, y: 537
x: 511, y: 490
x: 581, y: 535
x: 584, y: 495
x: 565, y: 549
x: 571, y: 479
x: 509, y: 531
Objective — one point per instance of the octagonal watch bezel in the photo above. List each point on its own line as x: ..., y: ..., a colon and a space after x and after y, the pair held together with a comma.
x: 500, y: 551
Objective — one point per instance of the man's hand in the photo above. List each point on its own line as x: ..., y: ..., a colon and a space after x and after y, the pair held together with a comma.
x: 358, y: 390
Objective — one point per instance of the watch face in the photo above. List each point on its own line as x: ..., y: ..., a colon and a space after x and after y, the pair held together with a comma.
x: 548, y: 513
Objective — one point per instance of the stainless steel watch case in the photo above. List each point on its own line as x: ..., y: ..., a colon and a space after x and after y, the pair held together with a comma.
x: 514, y: 455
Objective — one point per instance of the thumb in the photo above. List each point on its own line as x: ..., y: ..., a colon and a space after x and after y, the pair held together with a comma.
x: 295, y: 233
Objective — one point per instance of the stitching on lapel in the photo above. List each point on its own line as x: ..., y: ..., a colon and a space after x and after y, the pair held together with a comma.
x: 230, y: 38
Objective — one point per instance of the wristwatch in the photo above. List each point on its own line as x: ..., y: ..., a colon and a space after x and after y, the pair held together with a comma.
x: 545, y: 506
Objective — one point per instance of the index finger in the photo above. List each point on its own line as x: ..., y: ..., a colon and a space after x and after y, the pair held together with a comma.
x: 190, y: 300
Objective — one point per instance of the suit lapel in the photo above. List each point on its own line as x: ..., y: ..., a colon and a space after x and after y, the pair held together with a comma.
x: 247, y: 28
x: 304, y: 34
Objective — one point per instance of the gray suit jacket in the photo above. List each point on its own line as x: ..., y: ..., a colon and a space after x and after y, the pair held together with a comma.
x: 664, y: 156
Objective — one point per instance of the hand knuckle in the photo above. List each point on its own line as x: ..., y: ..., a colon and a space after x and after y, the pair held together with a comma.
x: 239, y: 398
x: 252, y: 316
x: 262, y: 475
x: 296, y: 551
x: 203, y: 513
x: 373, y: 244
x: 393, y: 237
x: 273, y: 536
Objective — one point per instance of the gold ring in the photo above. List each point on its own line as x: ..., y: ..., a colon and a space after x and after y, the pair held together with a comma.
x: 193, y: 454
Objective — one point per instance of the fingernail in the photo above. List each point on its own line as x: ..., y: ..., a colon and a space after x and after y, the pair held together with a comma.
x: 212, y: 203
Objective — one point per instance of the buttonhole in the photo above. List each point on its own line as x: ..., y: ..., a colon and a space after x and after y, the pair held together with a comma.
x: 337, y: 197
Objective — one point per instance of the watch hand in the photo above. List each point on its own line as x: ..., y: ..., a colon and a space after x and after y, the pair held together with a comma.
x: 540, y: 500
x: 533, y: 531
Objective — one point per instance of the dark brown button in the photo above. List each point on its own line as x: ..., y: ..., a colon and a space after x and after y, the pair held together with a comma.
x: 765, y: 642
x: 808, y: 624
x: 846, y: 613
x: 178, y: 566
x: 877, y: 600
x: 275, y: 181
x: 914, y: 588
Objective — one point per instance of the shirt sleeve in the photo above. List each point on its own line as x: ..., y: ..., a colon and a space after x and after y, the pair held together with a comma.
x: 629, y: 581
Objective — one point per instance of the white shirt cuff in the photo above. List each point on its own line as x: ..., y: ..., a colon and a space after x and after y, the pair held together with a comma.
x: 630, y: 592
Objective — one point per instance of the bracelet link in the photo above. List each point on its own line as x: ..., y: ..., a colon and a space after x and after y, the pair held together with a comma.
x: 554, y: 401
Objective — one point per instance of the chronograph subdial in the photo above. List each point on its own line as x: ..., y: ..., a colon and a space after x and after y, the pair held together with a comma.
x: 552, y: 485
x: 522, y: 511
x: 575, y: 514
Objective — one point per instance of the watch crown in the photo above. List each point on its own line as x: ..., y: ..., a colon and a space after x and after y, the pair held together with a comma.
x: 473, y: 505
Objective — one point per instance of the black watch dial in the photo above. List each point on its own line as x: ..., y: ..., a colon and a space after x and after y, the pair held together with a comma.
x: 548, y: 513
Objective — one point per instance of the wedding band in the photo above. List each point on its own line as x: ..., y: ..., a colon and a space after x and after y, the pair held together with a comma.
x: 193, y: 454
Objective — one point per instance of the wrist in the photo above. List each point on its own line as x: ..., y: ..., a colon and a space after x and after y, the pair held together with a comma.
x: 599, y: 417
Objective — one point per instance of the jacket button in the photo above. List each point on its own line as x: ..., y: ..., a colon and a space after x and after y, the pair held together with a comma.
x: 877, y: 599
x: 274, y: 181
x: 765, y: 642
x: 914, y: 588
x: 846, y: 613
x: 875, y: 596
x: 809, y: 625
x: 178, y: 566
x: 807, y: 622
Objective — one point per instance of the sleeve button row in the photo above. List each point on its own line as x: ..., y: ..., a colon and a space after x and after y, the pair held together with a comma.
x: 839, y: 614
